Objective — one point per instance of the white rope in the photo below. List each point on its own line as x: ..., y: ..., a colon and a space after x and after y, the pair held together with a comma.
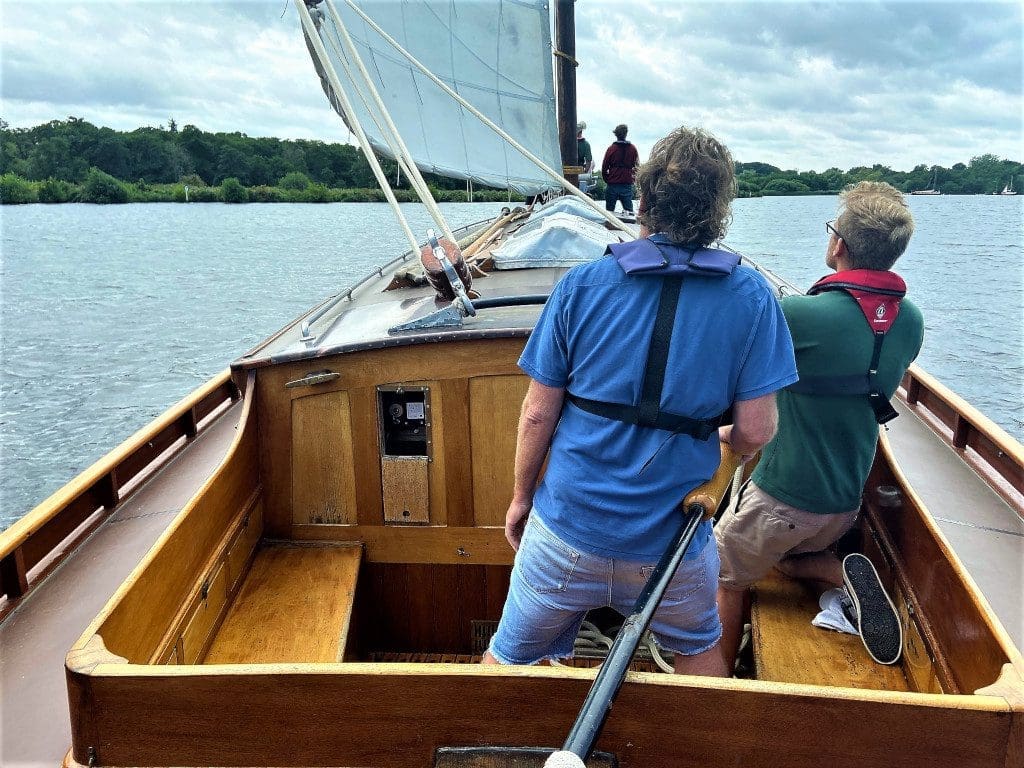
x: 346, y: 105
x: 411, y: 169
x: 555, y: 175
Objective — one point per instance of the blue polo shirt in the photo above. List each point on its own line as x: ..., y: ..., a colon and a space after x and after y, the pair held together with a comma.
x: 613, y: 489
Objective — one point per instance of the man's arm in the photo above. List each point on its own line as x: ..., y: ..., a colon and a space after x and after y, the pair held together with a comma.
x: 753, y: 424
x: 541, y: 410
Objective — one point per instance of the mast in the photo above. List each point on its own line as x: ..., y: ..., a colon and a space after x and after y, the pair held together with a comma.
x: 565, y: 87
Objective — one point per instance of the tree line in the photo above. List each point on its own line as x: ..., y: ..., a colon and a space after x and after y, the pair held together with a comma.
x: 65, y: 160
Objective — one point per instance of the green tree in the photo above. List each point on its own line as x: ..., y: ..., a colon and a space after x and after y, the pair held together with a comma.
x: 294, y: 180
x: 15, y: 190
x: 100, y: 187
x: 55, y: 191
x: 232, y: 191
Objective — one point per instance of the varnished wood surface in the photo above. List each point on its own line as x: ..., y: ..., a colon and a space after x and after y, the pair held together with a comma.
x: 495, y: 404
x: 324, y: 487
x: 136, y: 620
x: 789, y: 649
x: 294, y: 606
x: 395, y: 715
x: 406, y: 483
x: 985, y: 533
x: 444, y: 367
x: 418, y: 544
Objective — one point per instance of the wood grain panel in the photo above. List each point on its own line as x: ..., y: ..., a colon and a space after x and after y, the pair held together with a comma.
x: 207, y: 611
x: 323, y: 475
x: 789, y: 649
x: 494, y: 406
x: 397, y: 715
x: 418, y: 544
x: 360, y: 373
x: 406, y: 488
x: 295, y: 606
x: 242, y: 548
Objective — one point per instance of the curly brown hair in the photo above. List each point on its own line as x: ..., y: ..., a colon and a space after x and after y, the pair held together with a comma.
x: 687, y: 187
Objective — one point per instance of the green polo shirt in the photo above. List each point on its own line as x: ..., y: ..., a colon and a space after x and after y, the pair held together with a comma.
x: 820, y: 457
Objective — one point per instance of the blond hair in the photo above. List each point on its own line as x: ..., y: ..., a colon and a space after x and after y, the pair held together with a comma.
x: 687, y: 187
x: 875, y: 223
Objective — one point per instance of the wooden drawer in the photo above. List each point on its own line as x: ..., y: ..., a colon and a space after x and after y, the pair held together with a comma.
x: 208, y: 609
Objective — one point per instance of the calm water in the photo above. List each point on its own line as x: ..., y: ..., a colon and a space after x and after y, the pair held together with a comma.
x: 111, y: 314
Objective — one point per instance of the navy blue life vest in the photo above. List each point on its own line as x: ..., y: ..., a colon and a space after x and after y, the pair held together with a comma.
x: 657, y: 257
x: 878, y: 295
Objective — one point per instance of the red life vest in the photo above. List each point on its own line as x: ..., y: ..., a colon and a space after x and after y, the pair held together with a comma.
x: 878, y: 295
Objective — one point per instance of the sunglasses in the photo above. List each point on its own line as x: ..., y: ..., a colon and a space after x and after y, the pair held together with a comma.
x: 832, y: 230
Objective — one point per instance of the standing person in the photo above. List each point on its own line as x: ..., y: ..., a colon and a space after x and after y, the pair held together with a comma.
x: 618, y: 169
x: 585, y: 157
x: 628, y: 435
x: 855, y: 335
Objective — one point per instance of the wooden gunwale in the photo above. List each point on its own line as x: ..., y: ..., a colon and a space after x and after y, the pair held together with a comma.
x: 981, y: 443
x: 57, y: 525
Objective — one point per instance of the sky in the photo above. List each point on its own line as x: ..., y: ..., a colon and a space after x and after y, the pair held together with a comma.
x: 799, y: 85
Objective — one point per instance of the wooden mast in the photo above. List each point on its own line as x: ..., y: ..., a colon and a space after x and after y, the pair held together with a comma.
x: 565, y: 74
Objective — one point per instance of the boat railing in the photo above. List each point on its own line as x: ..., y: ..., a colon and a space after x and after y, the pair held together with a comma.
x: 984, y: 445
x: 37, y: 542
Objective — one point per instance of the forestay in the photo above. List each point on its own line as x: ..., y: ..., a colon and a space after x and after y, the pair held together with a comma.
x: 496, y: 55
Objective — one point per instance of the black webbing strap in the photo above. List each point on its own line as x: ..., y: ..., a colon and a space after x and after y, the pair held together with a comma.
x: 648, y: 413
x: 879, y: 402
x: 855, y: 384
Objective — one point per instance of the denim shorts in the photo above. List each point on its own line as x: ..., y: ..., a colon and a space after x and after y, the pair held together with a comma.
x: 554, y: 585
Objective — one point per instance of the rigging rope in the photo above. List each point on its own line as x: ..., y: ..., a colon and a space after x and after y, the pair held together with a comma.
x: 346, y: 105
x: 412, y: 171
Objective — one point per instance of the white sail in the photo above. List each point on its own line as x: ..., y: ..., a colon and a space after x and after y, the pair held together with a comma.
x: 496, y: 55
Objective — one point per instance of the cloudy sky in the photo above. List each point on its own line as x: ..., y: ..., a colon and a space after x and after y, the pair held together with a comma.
x: 805, y: 85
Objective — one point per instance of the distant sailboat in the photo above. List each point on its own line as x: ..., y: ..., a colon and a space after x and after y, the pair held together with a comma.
x: 1008, y: 189
x: 931, y: 189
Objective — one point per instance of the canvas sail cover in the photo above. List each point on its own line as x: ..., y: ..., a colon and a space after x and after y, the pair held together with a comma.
x: 496, y: 55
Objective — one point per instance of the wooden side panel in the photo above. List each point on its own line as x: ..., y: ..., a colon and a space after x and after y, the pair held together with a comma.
x: 242, y: 547
x: 411, y: 607
x: 406, y: 489
x: 295, y: 606
x: 370, y: 715
x: 494, y: 406
x: 323, y: 475
x: 916, y: 660
x: 198, y: 628
x: 136, y: 621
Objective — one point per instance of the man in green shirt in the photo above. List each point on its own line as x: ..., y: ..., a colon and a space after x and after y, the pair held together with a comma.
x: 806, y: 490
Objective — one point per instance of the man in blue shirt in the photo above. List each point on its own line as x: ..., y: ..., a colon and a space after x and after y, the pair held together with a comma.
x: 590, y: 534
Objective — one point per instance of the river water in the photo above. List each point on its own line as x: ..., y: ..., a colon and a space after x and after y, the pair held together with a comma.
x: 112, y: 313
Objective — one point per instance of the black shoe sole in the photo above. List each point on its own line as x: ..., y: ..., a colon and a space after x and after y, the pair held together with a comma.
x: 877, y: 620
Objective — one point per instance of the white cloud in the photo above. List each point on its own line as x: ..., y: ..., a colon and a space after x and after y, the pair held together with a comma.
x: 795, y: 84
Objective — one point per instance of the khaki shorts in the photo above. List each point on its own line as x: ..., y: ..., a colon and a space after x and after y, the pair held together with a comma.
x: 757, y: 531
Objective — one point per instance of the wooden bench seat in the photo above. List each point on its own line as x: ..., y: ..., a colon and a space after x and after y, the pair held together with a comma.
x: 295, y: 606
x: 788, y: 648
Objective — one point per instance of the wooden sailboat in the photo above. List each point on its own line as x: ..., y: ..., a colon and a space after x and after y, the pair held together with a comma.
x: 329, y: 559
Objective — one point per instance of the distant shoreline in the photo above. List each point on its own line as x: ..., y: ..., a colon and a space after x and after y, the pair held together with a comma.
x: 73, y: 160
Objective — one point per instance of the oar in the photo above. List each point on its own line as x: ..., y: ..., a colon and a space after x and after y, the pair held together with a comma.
x: 699, y: 503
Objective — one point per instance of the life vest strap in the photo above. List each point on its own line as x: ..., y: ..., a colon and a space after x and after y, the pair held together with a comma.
x: 648, y: 413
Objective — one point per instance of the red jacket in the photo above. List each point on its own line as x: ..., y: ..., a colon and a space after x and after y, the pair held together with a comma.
x: 619, y: 164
